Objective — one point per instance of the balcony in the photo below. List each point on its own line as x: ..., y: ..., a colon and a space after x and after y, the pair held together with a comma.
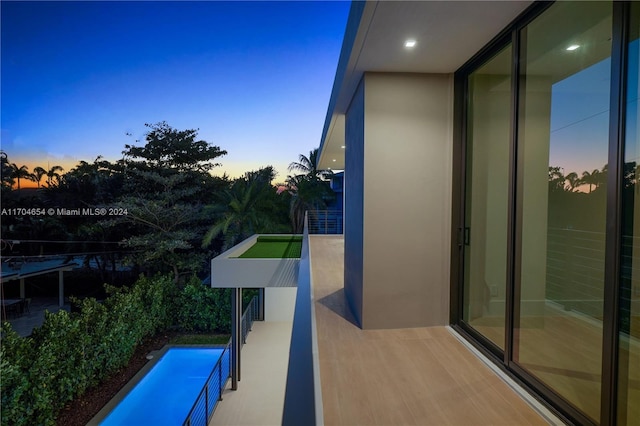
x: 335, y: 373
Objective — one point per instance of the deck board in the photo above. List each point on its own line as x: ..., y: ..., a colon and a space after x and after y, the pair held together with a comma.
x: 417, y: 376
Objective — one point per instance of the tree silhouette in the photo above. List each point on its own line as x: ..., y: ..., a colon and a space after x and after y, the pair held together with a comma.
x: 309, y: 190
x: 574, y: 181
x: 20, y: 173
x: 309, y: 166
x: 53, y: 177
x: 239, y: 209
x: 591, y: 179
x: 37, y: 174
x: 6, y: 172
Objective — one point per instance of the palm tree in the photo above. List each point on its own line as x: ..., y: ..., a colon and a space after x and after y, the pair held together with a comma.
x: 591, y: 178
x: 53, y: 175
x: 309, y: 190
x: 309, y: 166
x: 21, y: 172
x: 238, y: 210
x: 573, y: 180
x: 37, y: 174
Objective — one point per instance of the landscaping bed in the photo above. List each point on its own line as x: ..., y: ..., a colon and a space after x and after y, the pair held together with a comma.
x: 274, y: 247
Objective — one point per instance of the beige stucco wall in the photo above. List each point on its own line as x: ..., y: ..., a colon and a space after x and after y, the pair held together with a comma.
x: 406, y: 159
x: 353, y: 204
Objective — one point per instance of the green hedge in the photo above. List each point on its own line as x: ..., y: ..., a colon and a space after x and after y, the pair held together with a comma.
x: 72, y: 352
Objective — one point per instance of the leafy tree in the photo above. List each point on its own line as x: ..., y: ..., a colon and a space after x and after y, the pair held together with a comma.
x: 91, y: 184
x: 556, y: 179
x: 6, y: 172
x: 169, y: 148
x: 166, y: 185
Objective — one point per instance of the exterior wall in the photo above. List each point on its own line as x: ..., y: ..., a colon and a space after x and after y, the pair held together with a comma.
x: 353, y: 204
x: 279, y: 304
x: 402, y: 166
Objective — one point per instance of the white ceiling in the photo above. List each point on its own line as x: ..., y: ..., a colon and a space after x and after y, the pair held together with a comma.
x: 448, y: 33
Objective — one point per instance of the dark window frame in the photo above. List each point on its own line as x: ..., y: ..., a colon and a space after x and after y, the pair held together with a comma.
x: 504, y: 359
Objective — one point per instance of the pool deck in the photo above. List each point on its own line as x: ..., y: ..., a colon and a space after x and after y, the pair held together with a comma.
x: 260, y: 396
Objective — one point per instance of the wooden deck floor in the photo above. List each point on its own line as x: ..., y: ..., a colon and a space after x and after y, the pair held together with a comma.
x: 418, y: 376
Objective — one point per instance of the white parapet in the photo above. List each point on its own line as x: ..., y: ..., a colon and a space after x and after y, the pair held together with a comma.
x: 230, y: 271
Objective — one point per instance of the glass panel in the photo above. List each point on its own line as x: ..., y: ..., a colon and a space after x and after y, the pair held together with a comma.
x: 629, y: 366
x: 487, y: 196
x: 563, y: 146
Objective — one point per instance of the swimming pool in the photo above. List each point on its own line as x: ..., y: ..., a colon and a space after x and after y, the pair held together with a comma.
x: 165, y: 395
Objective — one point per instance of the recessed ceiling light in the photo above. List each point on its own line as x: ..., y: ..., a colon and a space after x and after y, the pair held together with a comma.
x: 573, y: 47
x: 334, y: 160
x: 410, y: 43
x: 343, y: 146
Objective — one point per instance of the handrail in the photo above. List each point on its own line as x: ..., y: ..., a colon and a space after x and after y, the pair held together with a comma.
x: 325, y: 221
x: 204, y: 395
x: 303, y: 395
x: 197, y: 413
x: 249, y: 315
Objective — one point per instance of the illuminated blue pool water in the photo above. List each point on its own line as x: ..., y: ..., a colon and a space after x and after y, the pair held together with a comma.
x: 167, y: 392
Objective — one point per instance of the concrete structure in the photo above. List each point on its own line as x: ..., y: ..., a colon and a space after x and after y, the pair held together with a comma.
x: 450, y: 120
x: 228, y: 270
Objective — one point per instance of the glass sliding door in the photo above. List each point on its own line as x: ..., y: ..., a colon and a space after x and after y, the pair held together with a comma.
x: 563, y: 138
x: 487, y: 196
x: 629, y: 339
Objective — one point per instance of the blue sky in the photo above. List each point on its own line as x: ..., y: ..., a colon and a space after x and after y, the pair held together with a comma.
x: 254, y: 77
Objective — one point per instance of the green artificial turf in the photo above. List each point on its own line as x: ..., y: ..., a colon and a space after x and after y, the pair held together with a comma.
x: 274, y: 247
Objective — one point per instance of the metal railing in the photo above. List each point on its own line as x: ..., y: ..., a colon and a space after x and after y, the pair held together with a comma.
x: 211, y: 392
x: 250, y: 314
x: 325, y: 221
x: 303, y: 394
x: 575, y: 272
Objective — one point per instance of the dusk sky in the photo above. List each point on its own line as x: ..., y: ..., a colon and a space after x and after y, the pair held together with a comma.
x: 254, y: 77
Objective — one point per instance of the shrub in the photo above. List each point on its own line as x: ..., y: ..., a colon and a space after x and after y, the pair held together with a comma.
x: 71, y: 352
x: 204, y: 309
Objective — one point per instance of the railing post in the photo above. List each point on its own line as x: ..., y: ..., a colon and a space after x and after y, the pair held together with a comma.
x: 326, y: 222
x: 206, y: 401
x: 261, y: 292
x: 220, y: 381
x: 236, y: 336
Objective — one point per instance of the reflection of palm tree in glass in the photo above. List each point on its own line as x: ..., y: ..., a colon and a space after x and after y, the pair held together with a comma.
x: 591, y: 179
x: 573, y: 180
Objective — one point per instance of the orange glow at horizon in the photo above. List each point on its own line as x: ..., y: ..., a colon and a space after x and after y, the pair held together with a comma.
x: 233, y: 169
